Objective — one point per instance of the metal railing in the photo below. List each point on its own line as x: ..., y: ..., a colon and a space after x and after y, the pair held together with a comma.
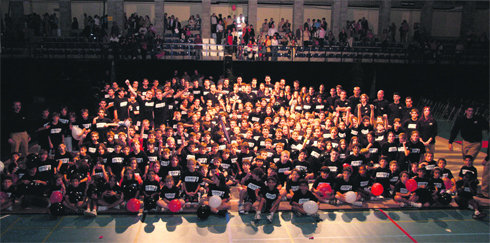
x: 176, y: 49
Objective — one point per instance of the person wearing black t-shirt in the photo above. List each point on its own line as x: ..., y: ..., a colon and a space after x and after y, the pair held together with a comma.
x: 300, y: 197
x: 168, y: 193
x: 162, y: 110
x: 380, y: 104
x: 101, y: 124
x: 141, y: 158
x: 401, y: 193
x: 147, y: 104
x: 112, y: 195
x: 191, y: 182
x: 446, y: 175
x: 471, y: 128
x: 390, y: 149
x: 129, y: 185
x: 270, y: 198
x: 56, y: 132
x: 364, y: 183
x: 395, y: 109
x: 466, y: 189
x: 46, y: 168
x: 284, y: 167
x: 253, y: 183
x: 75, y: 198
x: 342, y: 105
x: 468, y: 168
x: 150, y: 189
x: 324, y: 178
x: 437, y: 183
x: 292, y: 184
x: 423, y: 191
x: 218, y: 187
x: 121, y: 106
x: 417, y: 148
x: 411, y: 124
x: 381, y: 175
x: 175, y: 170
x: 427, y: 126
x: 345, y: 184
x: 355, y: 159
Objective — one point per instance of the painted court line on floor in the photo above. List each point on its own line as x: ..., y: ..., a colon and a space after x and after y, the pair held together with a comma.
x: 397, y: 225
x: 10, y: 226
x: 360, y: 236
x: 54, y: 228
x: 4, y: 216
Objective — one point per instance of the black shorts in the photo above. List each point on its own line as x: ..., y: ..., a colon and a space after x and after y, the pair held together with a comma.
x: 191, y: 199
x: 424, y: 195
x: 249, y: 199
x: 110, y: 199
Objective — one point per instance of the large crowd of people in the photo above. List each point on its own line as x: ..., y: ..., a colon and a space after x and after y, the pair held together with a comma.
x: 193, y: 138
x: 138, y: 38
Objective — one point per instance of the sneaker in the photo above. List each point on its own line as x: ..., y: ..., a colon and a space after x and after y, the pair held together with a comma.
x: 102, y: 208
x: 117, y: 207
x: 90, y: 213
x: 416, y: 205
x: 94, y: 212
x: 257, y: 216
x: 480, y: 215
x: 270, y: 218
x: 402, y: 204
x: 87, y: 212
x: 241, y: 209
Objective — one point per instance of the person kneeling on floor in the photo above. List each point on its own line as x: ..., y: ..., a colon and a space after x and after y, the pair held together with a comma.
x: 466, y: 189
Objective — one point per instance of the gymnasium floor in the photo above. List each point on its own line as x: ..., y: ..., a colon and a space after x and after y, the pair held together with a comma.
x: 373, y: 225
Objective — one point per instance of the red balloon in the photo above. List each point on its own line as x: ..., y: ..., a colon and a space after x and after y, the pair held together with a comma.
x: 174, y: 206
x: 133, y: 205
x: 56, y: 197
x: 233, y: 7
x: 377, y: 189
x: 325, y: 188
x: 411, y: 185
x: 448, y: 183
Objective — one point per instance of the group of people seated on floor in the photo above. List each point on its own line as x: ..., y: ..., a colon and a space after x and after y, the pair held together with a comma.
x: 194, y: 139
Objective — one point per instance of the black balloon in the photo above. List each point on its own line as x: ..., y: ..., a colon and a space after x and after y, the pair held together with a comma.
x: 203, y: 211
x: 56, y: 209
x: 445, y: 199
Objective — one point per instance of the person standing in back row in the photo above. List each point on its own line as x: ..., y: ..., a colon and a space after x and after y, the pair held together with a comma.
x: 471, y: 128
x: 17, y: 123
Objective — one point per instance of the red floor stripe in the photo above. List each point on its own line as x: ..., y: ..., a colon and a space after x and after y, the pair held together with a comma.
x: 397, y: 225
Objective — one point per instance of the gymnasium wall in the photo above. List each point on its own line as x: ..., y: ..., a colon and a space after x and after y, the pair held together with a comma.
x: 446, y: 23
